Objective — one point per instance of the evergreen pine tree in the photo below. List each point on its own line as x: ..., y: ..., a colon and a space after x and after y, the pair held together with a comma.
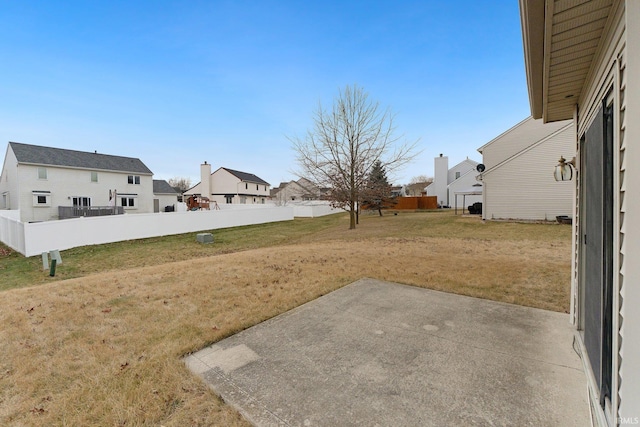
x: 377, y: 194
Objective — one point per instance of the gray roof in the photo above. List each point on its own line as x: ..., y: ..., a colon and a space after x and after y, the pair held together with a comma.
x: 160, y: 186
x: 38, y: 155
x: 248, y: 177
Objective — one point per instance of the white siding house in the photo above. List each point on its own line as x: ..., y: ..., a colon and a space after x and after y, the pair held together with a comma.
x: 582, y: 60
x: 227, y: 186
x: 518, y: 183
x: 164, y: 195
x: 446, y: 182
x: 300, y: 190
x: 38, y: 180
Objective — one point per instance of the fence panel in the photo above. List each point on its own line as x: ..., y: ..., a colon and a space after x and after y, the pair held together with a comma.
x: 12, y: 233
x: 70, y: 233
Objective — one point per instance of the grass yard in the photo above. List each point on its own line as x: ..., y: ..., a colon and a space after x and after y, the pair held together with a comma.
x: 104, y: 345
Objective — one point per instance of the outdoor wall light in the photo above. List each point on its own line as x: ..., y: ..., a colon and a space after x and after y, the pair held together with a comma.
x: 564, y: 169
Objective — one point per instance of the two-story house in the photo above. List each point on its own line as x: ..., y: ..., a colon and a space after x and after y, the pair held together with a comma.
x: 41, y: 181
x: 300, y: 190
x: 457, y: 179
x: 228, y: 186
x: 516, y: 178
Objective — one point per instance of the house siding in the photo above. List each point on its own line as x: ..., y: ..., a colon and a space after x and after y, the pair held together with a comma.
x: 466, y: 182
x: 443, y: 177
x: 165, y: 200
x: 618, y: 58
x: 463, y: 167
x: 613, y: 79
x: 225, y: 183
x: 523, y: 187
x: 516, y: 139
x: 629, y: 220
x: 9, y: 183
x: 64, y: 183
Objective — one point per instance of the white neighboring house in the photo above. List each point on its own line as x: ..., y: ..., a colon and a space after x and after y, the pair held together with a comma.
x: 164, y: 195
x: 228, y: 186
x: 582, y: 60
x: 37, y: 180
x: 447, y: 182
x: 292, y: 191
x: 518, y: 183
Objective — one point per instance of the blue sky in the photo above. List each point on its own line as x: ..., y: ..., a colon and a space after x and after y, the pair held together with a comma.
x: 176, y: 83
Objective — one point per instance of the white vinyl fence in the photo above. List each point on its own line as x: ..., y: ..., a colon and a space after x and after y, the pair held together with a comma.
x: 313, y: 209
x: 34, y: 238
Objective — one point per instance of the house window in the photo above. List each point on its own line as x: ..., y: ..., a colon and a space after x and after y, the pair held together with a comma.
x: 81, y: 201
x: 243, y: 200
x: 133, y: 179
x: 262, y: 200
x: 41, y: 198
x: 265, y: 188
x: 42, y: 173
x: 94, y: 176
x: 246, y: 186
x: 229, y: 199
x: 457, y: 175
x: 128, y: 201
x: 256, y: 187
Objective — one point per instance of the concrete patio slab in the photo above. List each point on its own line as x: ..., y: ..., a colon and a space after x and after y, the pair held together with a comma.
x: 382, y: 354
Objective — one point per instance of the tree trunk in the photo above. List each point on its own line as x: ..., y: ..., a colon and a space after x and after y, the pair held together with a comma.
x: 352, y: 216
x: 380, y: 211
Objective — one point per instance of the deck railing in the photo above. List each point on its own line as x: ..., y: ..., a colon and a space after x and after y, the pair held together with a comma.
x: 65, y: 212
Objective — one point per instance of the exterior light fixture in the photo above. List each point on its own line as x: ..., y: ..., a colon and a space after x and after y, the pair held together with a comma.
x: 564, y: 169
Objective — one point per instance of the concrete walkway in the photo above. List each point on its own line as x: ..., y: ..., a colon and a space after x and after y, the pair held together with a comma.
x: 381, y: 354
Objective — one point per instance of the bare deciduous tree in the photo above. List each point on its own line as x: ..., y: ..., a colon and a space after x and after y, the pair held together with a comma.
x: 417, y: 185
x: 180, y: 183
x: 344, y: 144
x: 420, y: 179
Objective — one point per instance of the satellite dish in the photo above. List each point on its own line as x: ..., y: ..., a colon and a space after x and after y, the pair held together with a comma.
x: 480, y: 168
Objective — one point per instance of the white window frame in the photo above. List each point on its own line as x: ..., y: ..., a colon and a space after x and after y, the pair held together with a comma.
x: 128, y: 201
x: 94, y: 174
x: 133, y: 179
x: 42, y: 173
x: 39, y: 194
x: 77, y: 201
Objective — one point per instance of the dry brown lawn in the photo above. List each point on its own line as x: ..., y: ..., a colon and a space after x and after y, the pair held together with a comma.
x: 106, y: 349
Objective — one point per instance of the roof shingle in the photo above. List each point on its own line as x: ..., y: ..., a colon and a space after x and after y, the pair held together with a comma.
x: 248, y: 177
x: 160, y: 186
x: 38, y: 155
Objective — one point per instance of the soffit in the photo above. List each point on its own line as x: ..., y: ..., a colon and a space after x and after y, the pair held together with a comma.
x: 576, y: 27
x: 563, y: 52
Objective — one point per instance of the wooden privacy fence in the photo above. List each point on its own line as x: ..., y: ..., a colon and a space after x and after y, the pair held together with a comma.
x: 422, y: 202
